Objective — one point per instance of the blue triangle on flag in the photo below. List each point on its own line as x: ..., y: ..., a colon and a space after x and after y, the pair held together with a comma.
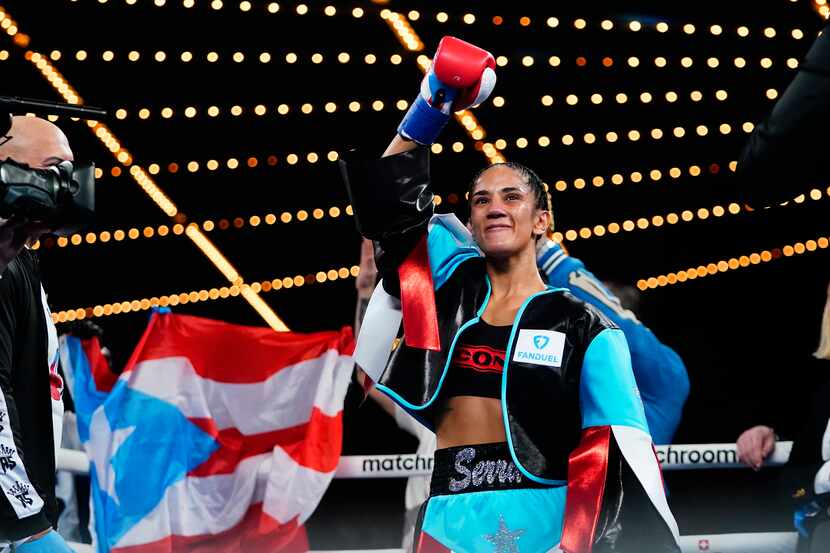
x: 160, y: 448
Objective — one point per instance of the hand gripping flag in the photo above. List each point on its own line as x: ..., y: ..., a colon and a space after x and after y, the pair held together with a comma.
x: 215, y: 438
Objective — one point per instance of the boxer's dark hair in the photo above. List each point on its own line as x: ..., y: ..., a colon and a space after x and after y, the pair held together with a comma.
x: 529, y: 177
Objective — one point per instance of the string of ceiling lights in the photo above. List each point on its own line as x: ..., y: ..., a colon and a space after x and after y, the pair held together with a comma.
x: 654, y: 175
x: 332, y: 275
x: 369, y: 58
x: 260, y: 110
x: 182, y: 298
x: 628, y: 225
x: 584, y: 233
x: 731, y: 264
x: 621, y: 23
x: 476, y: 132
x: 147, y: 184
x: 243, y: 6
x: 686, y: 216
x: 378, y: 105
x: 609, y: 62
x: 209, y: 225
x: 627, y: 24
x: 213, y: 56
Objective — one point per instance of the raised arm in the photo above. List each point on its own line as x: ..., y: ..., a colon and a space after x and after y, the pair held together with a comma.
x: 390, y: 197
x: 399, y: 145
x: 393, y: 205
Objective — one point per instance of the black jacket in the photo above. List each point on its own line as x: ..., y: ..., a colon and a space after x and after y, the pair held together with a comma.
x: 786, y: 154
x: 27, y: 451
x: 556, y: 414
x: 807, y: 457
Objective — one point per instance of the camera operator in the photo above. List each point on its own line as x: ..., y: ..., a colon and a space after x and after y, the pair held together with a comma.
x: 30, y: 387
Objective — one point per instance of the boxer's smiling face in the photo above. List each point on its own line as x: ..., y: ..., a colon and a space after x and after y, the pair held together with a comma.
x: 504, y: 217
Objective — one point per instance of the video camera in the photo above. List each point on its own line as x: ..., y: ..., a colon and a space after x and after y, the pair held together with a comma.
x: 62, y: 197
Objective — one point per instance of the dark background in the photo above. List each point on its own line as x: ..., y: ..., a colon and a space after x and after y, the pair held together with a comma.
x: 746, y: 335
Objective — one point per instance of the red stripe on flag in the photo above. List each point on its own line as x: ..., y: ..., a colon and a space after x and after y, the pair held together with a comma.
x: 320, y: 445
x: 587, y: 471
x: 257, y: 531
x: 102, y: 374
x: 233, y: 353
x: 315, y: 445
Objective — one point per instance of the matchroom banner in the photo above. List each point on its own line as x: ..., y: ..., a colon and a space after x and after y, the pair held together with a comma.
x: 671, y: 457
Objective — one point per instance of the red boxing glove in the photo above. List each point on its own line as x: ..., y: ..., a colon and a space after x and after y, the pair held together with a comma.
x: 462, y: 76
x: 467, y: 68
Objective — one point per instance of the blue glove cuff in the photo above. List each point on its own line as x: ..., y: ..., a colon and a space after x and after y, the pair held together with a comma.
x: 422, y: 123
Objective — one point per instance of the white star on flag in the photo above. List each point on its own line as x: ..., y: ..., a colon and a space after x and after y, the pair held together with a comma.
x: 101, y: 457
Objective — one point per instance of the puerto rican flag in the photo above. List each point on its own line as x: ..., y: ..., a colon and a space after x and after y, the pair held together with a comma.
x: 215, y: 438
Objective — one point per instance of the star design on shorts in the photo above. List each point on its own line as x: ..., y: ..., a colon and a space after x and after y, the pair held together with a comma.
x: 504, y: 539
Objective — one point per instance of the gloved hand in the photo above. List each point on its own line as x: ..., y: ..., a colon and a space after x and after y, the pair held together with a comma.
x: 462, y: 75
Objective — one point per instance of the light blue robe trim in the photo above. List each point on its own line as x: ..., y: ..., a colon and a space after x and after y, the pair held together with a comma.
x: 449, y: 244
x: 608, y: 393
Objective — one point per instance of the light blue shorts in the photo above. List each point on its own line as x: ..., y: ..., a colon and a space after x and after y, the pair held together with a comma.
x: 479, y: 502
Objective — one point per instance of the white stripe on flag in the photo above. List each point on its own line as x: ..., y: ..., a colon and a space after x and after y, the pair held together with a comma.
x: 293, y: 490
x: 282, y: 401
x: 207, y: 505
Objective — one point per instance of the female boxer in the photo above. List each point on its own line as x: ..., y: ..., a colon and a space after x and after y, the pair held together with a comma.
x: 542, y: 439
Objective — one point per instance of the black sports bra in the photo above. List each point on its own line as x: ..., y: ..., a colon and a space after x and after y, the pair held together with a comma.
x: 477, y: 362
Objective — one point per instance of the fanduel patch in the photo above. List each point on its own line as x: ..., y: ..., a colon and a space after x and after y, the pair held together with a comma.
x: 540, y: 347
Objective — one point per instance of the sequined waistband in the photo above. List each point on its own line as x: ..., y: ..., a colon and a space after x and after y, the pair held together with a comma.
x: 475, y: 468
